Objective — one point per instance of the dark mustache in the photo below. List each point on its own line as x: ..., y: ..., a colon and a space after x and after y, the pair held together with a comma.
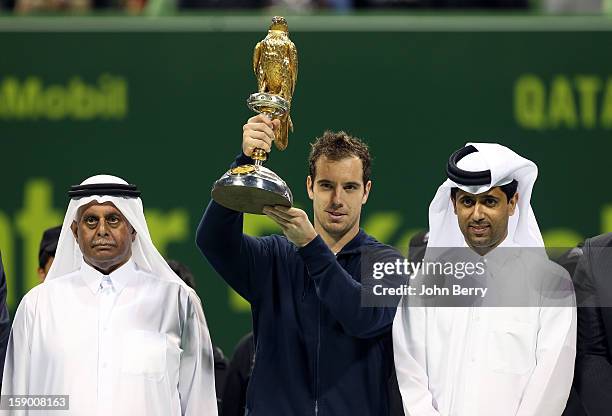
x: 102, y: 243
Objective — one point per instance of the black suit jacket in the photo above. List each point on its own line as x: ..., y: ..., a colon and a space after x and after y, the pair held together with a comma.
x: 592, y: 389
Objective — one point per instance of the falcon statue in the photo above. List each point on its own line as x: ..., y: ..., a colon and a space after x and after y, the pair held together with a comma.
x: 275, y: 64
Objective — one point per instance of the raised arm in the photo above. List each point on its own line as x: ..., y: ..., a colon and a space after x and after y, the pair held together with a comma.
x: 240, y: 259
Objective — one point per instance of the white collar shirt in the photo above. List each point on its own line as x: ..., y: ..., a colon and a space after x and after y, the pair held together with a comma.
x: 124, y: 344
x: 483, y: 361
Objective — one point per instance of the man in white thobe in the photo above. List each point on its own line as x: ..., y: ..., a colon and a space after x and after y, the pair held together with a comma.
x: 112, y: 327
x: 511, y: 352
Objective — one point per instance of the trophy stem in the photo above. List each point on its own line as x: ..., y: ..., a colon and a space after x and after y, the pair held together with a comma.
x: 259, y: 156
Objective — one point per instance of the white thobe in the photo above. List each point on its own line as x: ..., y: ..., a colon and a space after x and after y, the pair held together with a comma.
x: 125, y: 344
x: 484, y: 361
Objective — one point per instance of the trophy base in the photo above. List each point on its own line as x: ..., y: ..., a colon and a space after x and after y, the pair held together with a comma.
x: 248, y: 188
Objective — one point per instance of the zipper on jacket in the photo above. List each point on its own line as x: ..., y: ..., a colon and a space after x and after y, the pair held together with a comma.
x: 316, y: 409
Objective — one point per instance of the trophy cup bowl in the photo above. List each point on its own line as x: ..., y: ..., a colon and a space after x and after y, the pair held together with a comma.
x: 252, y: 190
x: 248, y: 188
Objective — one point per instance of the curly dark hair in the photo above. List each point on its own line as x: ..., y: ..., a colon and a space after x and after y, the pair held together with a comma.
x: 337, y: 146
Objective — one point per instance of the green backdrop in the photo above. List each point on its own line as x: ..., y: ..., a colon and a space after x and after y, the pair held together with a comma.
x: 161, y: 102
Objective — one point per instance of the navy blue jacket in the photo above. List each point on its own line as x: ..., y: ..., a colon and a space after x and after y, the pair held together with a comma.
x: 318, y: 352
x: 5, y: 323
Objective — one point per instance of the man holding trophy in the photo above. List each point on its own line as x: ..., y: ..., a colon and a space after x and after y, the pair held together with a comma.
x: 317, y: 351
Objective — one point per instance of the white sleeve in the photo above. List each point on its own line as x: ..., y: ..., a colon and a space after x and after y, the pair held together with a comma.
x: 197, y: 371
x: 17, y: 362
x: 409, y: 332
x: 15, y: 378
x: 549, y: 385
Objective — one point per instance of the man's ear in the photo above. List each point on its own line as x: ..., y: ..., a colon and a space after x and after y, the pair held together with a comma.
x: 309, y: 187
x: 74, y: 227
x: 512, y: 204
x: 366, y: 192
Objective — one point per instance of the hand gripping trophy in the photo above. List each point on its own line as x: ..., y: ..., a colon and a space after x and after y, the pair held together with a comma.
x: 248, y: 188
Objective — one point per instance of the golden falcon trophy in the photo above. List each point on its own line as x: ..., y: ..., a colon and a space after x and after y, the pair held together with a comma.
x: 248, y: 188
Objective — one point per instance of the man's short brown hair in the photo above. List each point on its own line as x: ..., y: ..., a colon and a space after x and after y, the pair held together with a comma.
x: 336, y: 146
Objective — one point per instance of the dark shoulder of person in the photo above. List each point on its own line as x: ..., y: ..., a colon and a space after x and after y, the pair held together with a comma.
x: 569, y: 259
x: 221, y: 369
x: 244, y: 355
x: 238, y: 375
